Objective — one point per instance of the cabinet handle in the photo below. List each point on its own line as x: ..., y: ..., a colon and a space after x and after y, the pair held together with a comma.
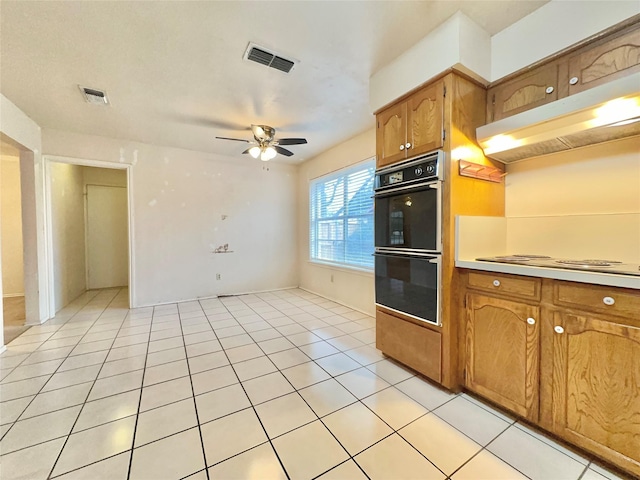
x: 549, y: 90
x: 573, y: 80
x: 401, y: 147
x: 608, y: 300
x: 408, y: 145
x: 558, y: 329
x: 531, y: 321
x: 496, y: 283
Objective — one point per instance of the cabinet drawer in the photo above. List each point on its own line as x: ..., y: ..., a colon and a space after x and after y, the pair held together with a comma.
x: 614, y: 301
x: 509, y: 285
x: 415, y: 346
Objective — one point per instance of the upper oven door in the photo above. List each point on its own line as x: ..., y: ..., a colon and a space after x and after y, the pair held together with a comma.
x: 408, y: 218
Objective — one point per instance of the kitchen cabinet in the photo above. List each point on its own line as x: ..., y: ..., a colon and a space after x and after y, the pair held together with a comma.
x: 530, y: 90
x: 405, y: 340
x: 607, y: 57
x: 595, y: 400
x: 411, y: 127
x: 502, y: 352
x: 564, y: 355
x: 604, y: 61
x: 421, y: 118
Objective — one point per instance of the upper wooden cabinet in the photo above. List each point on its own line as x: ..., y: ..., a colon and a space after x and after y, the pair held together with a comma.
x: 596, y: 380
x: 605, y: 61
x: 530, y: 90
x: 411, y: 127
x: 502, y: 352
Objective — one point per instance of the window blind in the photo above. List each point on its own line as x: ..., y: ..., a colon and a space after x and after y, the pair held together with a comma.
x: 341, y: 216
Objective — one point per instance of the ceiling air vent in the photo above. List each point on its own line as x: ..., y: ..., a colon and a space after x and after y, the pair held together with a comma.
x: 264, y: 56
x: 93, y: 96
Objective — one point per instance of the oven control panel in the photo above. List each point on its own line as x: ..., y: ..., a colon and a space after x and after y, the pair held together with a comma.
x: 421, y: 169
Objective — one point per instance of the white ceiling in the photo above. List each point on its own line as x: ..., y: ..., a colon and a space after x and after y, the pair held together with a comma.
x: 175, y: 75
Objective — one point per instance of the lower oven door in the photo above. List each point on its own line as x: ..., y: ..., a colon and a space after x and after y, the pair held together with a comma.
x: 409, y: 284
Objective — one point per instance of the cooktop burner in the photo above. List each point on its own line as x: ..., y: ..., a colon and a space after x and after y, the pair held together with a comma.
x: 594, y: 265
x: 587, y: 263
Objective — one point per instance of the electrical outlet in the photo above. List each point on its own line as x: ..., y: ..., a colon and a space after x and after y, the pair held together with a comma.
x: 217, y: 276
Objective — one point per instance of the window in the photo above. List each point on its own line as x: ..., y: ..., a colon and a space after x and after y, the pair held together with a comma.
x: 341, y: 216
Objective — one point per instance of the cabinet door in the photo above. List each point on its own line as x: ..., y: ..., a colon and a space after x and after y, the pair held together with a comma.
x: 502, y: 352
x: 596, y: 386
x: 425, y: 120
x: 391, y: 134
x: 523, y: 93
x: 605, y: 62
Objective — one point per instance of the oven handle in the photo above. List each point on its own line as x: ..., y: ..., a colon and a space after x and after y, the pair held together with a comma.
x: 420, y: 186
x: 430, y: 257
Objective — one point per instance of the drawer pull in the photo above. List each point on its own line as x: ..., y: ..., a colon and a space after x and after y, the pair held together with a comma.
x: 401, y: 147
x: 558, y: 329
x: 573, y: 80
x: 549, y: 90
x: 531, y: 321
x: 408, y: 145
x: 496, y: 283
x: 608, y: 300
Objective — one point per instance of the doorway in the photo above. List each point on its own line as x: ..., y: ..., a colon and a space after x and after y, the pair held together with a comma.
x: 88, y: 228
x: 13, y: 291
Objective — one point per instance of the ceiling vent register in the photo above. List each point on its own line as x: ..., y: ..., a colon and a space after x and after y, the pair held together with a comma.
x: 93, y: 96
x: 265, y: 57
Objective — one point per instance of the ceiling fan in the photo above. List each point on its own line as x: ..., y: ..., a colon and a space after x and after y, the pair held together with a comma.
x: 265, y: 146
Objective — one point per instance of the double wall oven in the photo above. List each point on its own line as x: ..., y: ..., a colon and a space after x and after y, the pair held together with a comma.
x: 408, y: 237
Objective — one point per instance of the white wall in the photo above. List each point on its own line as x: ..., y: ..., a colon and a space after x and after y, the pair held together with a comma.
x: 104, y: 176
x: 349, y: 287
x: 179, y: 200
x: 457, y: 42
x: 461, y: 43
x: 11, y: 214
x: 554, y: 26
x: 67, y: 223
x: 599, y: 179
x: 581, y: 203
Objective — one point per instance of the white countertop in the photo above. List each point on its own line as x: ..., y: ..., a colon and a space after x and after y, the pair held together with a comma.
x: 596, y: 278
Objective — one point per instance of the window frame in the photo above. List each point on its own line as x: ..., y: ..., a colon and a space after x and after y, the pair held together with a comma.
x: 315, y: 221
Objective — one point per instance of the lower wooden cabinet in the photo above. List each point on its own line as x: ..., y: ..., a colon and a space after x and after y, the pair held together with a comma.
x: 596, y: 386
x: 410, y: 343
x: 567, y: 359
x: 502, y: 352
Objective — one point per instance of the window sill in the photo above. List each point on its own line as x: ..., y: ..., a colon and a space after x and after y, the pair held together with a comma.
x: 365, y: 272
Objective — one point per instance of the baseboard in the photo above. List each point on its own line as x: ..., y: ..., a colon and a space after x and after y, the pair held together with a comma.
x: 251, y: 292
x: 12, y: 295
x: 3, y: 348
x: 336, y: 301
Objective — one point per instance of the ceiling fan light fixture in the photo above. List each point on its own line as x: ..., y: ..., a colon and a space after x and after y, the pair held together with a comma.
x: 267, y: 154
x: 255, y: 151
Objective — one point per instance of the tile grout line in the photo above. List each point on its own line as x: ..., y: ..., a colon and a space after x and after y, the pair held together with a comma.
x: 254, y: 412
x: 68, y: 436
x: 54, y: 372
x: 144, y: 372
x: 193, y: 394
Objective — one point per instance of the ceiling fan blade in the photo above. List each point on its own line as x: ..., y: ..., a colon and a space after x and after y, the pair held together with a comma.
x: 292, y: 141
x: 283, y: 151
x: 234, y: 139
x: 247, y: 150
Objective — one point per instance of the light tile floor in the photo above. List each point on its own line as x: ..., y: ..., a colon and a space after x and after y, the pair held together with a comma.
x: 276, y: 385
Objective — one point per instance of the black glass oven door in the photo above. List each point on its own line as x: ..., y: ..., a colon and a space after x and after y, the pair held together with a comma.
x: 409, y: 284
x: 409, y: 218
